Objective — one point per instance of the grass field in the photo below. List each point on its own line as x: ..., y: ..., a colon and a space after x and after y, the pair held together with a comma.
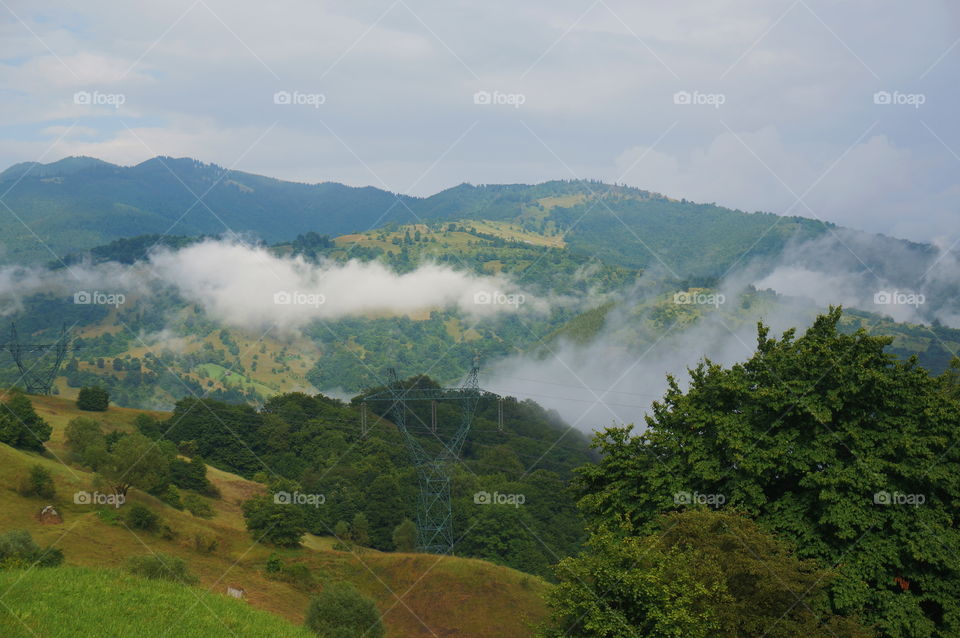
x: 77, y: 602
x: 419, y: 594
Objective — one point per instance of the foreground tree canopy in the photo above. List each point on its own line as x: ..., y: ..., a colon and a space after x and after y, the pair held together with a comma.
x: 701, y: 574
x: 826, y: 441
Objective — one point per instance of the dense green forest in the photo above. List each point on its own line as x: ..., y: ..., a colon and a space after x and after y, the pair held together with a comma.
x: 317, y: 442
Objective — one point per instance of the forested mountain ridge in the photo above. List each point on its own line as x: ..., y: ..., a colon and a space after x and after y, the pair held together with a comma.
x: 78, y: 203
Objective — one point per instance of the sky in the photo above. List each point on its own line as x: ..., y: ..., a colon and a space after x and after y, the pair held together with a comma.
x: 841, y: 110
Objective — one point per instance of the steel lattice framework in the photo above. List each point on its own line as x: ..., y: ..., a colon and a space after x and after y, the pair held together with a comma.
x: 37, y: 379
x: 434, y: 511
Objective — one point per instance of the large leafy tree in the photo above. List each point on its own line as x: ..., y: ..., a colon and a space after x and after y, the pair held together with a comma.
x: 700, y: 574
x: 273, y: 517
x: 826, y: 440
x: 136, y: 461
x: 20, y: 425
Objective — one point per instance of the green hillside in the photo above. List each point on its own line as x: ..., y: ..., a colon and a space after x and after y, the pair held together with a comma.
x: 450, y: 595
x: 77, y: 602
x: 79, y: 203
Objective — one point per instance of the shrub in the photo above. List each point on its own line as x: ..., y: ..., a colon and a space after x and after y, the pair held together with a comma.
x: 275, y: 523
x: 148, y: 426
x: 198, y: 506
x: 171, y: 496
x: 20, y: 425
x: 274, y: 564
x: 139, y: 517
x: 204, y: 543
x: 405, y: 536
x: 340, y: 611
x: 297, y: 575
x: 93, y: 399
x: 38, y: 482
x: 161, y: 567
x: 360, y: 529
x: 18, y: 549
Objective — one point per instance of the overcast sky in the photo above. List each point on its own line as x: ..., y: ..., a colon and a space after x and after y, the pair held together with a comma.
x: 843, y: 110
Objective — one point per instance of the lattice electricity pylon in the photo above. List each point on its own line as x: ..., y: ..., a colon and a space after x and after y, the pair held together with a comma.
x: 434, y: 510
x: 37, y: 379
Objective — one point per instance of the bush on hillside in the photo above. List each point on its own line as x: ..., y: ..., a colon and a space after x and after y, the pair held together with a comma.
x: 161, y: 567
x: 38, y: 482
x: 93, y: 399
x: 405, y: 536
x: 197, y: 506
x: 139, y: 517
x: 18, y: 549
x: 340, y: 611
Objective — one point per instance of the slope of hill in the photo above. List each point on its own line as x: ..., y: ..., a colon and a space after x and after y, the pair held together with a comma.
x: 448, y: 595
x: 75, y: 602
x: 78, y: 203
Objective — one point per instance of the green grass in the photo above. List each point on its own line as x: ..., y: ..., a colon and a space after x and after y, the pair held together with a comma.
x: 465, y: 597
x: 78, y: 602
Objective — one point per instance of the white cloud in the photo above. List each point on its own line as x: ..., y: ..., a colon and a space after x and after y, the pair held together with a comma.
x: 250, y: 287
